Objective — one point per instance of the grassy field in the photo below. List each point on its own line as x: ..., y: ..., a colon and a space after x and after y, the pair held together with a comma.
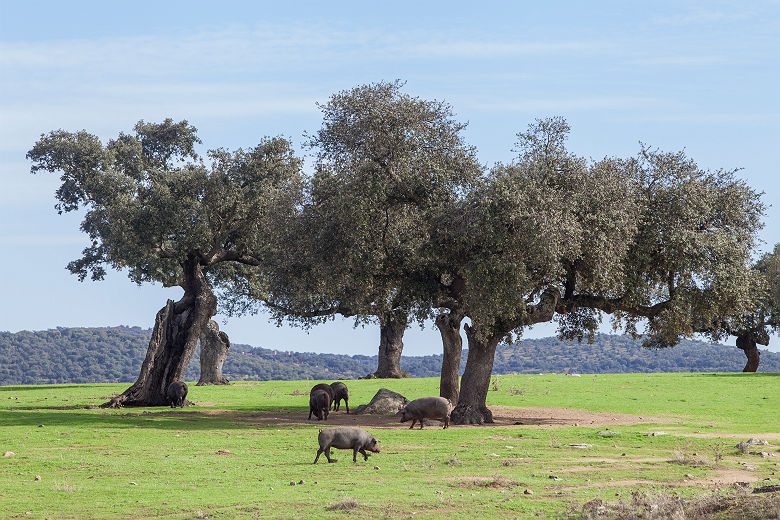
x: 245, y: 451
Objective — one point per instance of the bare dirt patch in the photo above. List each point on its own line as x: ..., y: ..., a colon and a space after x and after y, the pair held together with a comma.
x: 503, y: 416
x: 554, y: 416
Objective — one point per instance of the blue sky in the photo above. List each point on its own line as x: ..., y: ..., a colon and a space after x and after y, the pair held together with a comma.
x: 703, y: 76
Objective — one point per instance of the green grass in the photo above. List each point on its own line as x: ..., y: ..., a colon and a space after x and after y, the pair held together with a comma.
x: 220, y: 459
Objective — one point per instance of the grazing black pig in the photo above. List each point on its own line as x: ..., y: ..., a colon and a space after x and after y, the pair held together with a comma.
x: 340, y: 392
x: 326, y: 387
x: 176, y: 393
x: 319, y: 404
x: 346, y: 438
x: 426, y: 408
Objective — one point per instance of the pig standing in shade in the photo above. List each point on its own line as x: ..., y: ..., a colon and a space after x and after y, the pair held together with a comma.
x: 426, y: 408
x: 176, y: 393
x: 319, y: 404
x: 327, y: 388
x: 340, y: 392
x: 346, y: 438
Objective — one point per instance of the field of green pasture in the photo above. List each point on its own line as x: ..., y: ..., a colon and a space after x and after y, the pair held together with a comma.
x: 245, y: 451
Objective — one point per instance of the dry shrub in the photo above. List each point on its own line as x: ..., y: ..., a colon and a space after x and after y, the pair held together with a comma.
x: 497, y: 482
x: 345, y: 504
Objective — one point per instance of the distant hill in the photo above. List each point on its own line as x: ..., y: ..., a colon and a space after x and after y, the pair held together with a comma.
x: 115, y: 354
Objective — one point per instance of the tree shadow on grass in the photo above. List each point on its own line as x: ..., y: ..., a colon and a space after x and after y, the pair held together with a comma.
x: 163, y: 419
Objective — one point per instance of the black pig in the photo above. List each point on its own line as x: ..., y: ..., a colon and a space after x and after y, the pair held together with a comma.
x: 326, y: 387
x: 346, y: 438
x: 340, y: 392
x: 426, y: 408
x: 176, y: 393
x: 319, y: 404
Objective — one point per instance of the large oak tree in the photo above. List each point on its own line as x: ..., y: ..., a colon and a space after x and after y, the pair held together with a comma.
x: 385, y: 161
x: 653, y: 241
x: 154, y: 208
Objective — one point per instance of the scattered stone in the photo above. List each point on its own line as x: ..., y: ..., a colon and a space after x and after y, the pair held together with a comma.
x: 9, y: 454
x: 292, y: 483
x: 40, y: 426
x: 528, y: 492
x: 37, y: 478
x: 688, y: 475
x: 622, y: 454
x: 301, y: 482
x: 224, y: 452
x: 763, y: 454
x: 133, y: 484
x: 581, y: 445
x: 655, y: 434
x: 492, y: 454
x: 509, y: 447
x: 606, y: 432
x: 554, y: 477
x: 746, y: 445
x: 375, y: 467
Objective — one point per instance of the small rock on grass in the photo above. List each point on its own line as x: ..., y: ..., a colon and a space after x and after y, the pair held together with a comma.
x: 9, y: 454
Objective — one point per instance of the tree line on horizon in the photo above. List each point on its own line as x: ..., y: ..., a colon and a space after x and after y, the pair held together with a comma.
x: 113, y: 354
x: 400, y: 223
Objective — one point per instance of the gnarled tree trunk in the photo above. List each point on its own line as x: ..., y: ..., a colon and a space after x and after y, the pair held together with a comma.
x: 391, y: 345
x: 474, y: 385
x: 177, y: 328
x: 452, y: 344
x: 471, y: 407
x: 214, y: 347
x: 747, y: 344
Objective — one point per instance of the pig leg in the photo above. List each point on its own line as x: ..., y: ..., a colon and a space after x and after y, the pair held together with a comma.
x: 319, y: 452
x: 363, y: 452
x: 309, y: 419
x: 414, y: 420
x: 421, y: 423
x: 327, y: 454
x: 346, y: 403
x: 446, y: 422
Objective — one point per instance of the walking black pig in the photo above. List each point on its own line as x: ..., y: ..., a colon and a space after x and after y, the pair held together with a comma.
x: 346, y: 438
x: 340, y: 392
x: 426, y: 408
x: 176, y: 393
x: 319, y: 404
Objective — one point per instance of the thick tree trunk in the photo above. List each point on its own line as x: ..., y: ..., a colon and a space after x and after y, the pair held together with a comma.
x: 452, y: 344
x: 748, y: 345
x: 471, y: 407
x: 214, y: 347
x: 391, y: 345
x: 174, y: 339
